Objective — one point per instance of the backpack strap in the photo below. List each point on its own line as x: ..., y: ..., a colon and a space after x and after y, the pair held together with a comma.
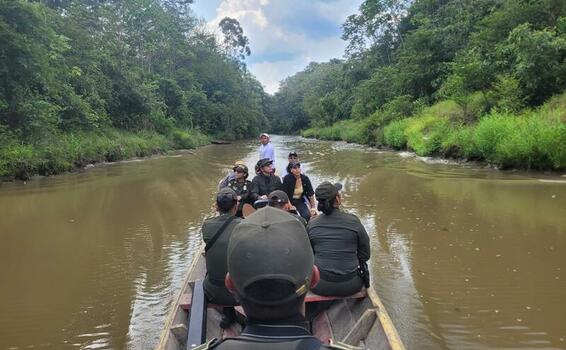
x: 218, y: 233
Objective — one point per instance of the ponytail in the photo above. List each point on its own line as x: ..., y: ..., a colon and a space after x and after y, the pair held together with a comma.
x: 326, y: 206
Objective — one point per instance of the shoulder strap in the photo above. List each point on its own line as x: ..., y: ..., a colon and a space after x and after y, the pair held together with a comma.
x: 218, y: 233
x: 208, y: 345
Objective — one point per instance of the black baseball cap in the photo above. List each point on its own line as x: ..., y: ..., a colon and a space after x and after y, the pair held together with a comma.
x: 326, y: 191
x: 293, y: 153
x: 277, y: 197
x: 226, y: 198
x: 270, y: 245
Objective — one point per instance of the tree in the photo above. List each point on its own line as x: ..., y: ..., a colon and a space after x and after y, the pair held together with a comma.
x: 236, y: 43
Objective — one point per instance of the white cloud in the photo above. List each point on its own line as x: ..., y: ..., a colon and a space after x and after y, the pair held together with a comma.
x: 274, y: 26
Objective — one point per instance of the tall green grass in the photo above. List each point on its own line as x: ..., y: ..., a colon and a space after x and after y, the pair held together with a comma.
x: 528, y: 140
x: 66, y: 152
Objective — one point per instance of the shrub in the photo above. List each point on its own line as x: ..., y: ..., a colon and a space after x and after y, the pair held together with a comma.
x: 529, y: 141
x: 394, y: 134
x: 425, y: 134
x: 18, y: 161
x: 459, y: 144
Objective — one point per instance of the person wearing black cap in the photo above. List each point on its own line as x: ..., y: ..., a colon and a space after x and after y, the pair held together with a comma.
x: 340, y: 244
x: 270, y: 270
x: 293, y: 157
x: 299, y: 188
x: 216, y: 233
x: 242, y: 186
x: 279, y: 199
x: 264, y: 182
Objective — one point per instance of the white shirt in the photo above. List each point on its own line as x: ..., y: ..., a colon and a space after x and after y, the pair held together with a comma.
x: 267, y: 151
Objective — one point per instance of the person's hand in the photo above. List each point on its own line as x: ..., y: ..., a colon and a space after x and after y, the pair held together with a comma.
x: 239, y: 198
x: 313, y: 212
x: 263, y: 197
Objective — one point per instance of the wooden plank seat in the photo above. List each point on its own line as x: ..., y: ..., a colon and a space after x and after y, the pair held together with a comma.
x: 313, y: 298
x: 185, y: 300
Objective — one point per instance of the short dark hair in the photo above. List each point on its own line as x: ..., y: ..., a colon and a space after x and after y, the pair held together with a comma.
x: 292, y: 165
x: 225, y: 203
x: 271, y: 290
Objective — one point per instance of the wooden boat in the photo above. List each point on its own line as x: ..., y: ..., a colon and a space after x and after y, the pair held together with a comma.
x: 360, y: 320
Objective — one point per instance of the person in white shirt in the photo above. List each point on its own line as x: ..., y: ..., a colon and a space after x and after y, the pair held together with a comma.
x: 266, y: 149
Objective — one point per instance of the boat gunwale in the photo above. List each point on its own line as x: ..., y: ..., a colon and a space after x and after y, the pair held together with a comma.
x: 389, y: 329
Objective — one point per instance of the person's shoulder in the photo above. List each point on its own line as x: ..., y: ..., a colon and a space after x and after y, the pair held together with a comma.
x: 350, y: 216
x: 210, y: 220
x: 315, y: 220
x: 211, y: 344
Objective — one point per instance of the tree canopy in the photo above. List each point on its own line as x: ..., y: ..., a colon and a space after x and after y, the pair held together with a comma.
x: 419, y: 52
x: 136, y: 65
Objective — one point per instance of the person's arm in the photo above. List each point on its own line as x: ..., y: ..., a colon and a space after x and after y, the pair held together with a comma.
x: 254, y: 190
x: 364, y: 250
x: 271, y: 153
x: 278, y: 185
x: 288, y: 185
x: 307, y: 186
x: 224, y: 182
x: 245, y: 196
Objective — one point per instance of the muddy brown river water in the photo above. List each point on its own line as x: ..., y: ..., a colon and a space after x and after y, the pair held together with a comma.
x: 463, y: 257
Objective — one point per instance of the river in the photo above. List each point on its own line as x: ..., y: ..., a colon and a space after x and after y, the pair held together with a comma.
x: 464, y: 257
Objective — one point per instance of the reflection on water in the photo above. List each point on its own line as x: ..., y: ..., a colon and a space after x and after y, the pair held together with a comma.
x: 463, y: 257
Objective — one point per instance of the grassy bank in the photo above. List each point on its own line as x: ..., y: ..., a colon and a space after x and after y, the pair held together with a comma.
x: 531, y: 139
x: 65, y: 152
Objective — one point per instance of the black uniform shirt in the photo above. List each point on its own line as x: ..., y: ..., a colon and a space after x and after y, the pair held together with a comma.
x: 264, y: 185
x: 216, y: 265
x: 338, y: 240
x: 282, y: 335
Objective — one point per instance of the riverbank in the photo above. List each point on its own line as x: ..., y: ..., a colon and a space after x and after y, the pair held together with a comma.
x: 531, y: 139
x: 71, y: 151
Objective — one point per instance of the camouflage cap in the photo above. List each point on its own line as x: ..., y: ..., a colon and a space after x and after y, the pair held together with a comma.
x: 263, y: 162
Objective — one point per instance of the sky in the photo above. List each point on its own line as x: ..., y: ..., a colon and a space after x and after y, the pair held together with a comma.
x: 285, y: 35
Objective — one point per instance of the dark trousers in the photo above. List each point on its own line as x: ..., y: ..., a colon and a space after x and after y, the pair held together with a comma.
x: 302, y: 208
x: 338, y: 289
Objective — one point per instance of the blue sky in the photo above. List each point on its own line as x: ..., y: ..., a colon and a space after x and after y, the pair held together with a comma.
x: 285, y: 35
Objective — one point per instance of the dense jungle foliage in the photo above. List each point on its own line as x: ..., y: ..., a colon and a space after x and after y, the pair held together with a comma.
x: 471, y: 79
x: 83, y: 81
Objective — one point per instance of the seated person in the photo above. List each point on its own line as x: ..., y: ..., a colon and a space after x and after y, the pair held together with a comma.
x: 215, y: 254
x: 339, y: 241
x: 232, y: 175
x: 242, y: 186
x: 299, y: 188
x: 265, y: 182
x: 293, y: 157
x: 279, y: 199
x: 270, y: 270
